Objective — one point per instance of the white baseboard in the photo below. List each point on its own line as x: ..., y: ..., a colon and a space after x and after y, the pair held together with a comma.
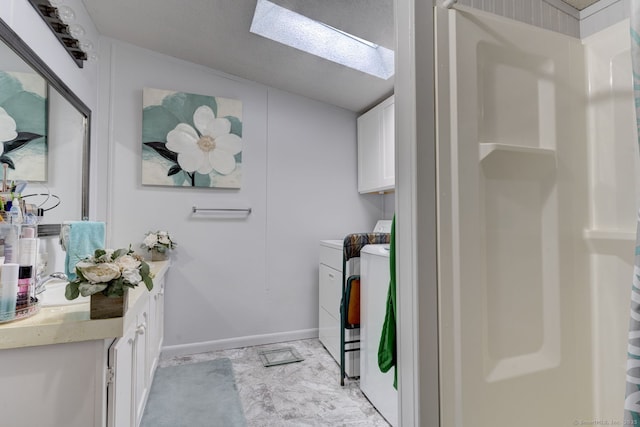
x: 229, y: 343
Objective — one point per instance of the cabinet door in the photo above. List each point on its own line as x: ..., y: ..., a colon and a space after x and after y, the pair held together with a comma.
x: 376, y: 148
x: 141, y: 370
x: 387, y: 145
x: 368, y: 150
x: 120, y: 389
x: 156, y: 326
x: 160, y: 322
x: 127, y: 391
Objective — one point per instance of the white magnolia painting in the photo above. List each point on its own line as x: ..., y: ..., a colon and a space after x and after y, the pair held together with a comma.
x: 191, y: 140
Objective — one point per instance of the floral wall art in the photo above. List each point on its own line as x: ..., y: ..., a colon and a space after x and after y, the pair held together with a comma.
x: 23, y: 126
x: 191, y: 140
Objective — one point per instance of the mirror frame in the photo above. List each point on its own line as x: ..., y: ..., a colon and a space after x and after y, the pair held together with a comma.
x: 22, y: 49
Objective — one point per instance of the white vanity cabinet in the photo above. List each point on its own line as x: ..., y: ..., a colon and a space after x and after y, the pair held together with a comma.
x: 329, y: 295
x: 376, y: 148
x: 61, y: 368
x: 134, y: 357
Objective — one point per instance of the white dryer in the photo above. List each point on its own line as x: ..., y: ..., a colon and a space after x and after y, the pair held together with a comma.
x: 374, y: 286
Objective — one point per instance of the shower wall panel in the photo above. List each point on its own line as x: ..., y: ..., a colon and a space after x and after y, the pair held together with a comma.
x: 513, y: 206
x: 614, y: 174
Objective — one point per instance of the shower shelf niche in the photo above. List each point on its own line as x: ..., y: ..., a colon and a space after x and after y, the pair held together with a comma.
x: 487, y: 148
x: 600, y: 240
x: 610, y: 235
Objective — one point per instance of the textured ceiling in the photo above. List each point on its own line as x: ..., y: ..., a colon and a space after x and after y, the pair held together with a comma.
x: 580, y: 4
x: 215, y: 33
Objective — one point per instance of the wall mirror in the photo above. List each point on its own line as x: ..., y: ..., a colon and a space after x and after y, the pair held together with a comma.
x: 49, y: 147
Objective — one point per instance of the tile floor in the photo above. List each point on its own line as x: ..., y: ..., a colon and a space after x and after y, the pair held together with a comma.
x: 306, y: 393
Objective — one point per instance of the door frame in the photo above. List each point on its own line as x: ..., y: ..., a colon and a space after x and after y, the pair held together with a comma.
x: 416, y: 215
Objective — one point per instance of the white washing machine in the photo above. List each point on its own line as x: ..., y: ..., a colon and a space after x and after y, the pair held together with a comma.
x: 374, y: 286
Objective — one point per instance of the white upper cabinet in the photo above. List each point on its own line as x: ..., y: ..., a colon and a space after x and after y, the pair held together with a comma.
x: 376, y: 145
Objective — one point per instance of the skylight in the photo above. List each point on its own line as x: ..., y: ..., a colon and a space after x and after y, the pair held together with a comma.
x: 298, y: 31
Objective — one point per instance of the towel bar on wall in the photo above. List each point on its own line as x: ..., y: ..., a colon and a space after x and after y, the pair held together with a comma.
x: 195, y: 209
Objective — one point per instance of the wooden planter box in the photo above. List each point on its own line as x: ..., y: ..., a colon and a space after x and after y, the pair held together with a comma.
x: 103, y: 307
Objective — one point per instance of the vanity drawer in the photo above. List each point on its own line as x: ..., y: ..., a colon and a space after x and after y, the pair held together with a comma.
x: 329, y: 336
x: 331, y: 257
x: 330, y: 290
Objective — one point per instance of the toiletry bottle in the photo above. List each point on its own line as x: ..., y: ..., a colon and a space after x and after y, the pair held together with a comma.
x: 11, y: 249
x: 8, y: 291
x: 27, y: 257
x: 28, y: 232
x: 24, y: 287
x: 15, y: 213
x: 28, y: 249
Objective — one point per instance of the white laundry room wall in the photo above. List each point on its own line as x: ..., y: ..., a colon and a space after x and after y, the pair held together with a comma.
x: 246, y: 280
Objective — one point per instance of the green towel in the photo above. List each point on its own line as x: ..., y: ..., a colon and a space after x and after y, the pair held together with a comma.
x: 387, y: 350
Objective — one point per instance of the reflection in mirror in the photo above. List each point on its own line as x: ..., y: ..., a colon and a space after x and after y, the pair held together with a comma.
x: 44, y: 141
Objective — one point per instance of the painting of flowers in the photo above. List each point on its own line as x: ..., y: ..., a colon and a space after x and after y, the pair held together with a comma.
x: 23, y: 125
x: 191, y: 140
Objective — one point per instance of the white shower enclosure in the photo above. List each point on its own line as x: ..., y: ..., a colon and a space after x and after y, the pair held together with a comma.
x: 537, y: 173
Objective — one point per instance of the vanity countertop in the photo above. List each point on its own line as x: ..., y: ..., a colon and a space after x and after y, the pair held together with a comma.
x: 71, y: 323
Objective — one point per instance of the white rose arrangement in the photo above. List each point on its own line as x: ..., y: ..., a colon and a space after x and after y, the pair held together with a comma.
x: 158, y: 240
x: 109, y: 272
